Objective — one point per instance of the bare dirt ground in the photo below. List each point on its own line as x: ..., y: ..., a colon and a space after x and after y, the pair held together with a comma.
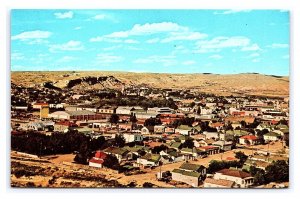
x: 252, y: 84
x: 63, y: 168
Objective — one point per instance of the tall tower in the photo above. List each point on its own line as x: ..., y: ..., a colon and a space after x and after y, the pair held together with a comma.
x: 44, y: 111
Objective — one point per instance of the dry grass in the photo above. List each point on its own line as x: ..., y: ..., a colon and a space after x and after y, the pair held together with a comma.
x: 253, y: 84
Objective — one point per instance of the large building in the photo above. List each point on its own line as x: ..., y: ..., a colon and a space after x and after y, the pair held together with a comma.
x: 75, y: 115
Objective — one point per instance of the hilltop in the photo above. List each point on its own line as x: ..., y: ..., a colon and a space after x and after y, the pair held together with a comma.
x: 246, y: 83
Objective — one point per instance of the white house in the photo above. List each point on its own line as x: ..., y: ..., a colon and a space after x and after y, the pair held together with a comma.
x: 241, y: 178
x: 132, y: 137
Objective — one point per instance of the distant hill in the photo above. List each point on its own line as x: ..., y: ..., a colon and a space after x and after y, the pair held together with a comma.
x: 246, y: 83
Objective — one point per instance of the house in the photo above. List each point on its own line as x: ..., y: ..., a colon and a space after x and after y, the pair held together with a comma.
x: 257, y: 163
x: 124, y: 110
x: 189, y: 153
x: 176, y: 145
x: 186, y: 130
x: 146, y: 130
x: 98, y: 159
x: 173, y: 155
x: 190, y: 174
x: 134, y: 137
x: 149, y: 159
x: 126, y: 126
x: 120, y: 153
x: 210, y: 150
x: 241, y: 178
x: 206, y: 142
x: 107, y: 110
x: 64, y: 126
x: 159, y: 129
x: 253, y: 140
x: 211, y: 135
x: 224, y: 145
x: 220, y: 183
x: 271, y: 136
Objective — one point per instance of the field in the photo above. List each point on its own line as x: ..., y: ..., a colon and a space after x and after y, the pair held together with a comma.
x: 235, y: 84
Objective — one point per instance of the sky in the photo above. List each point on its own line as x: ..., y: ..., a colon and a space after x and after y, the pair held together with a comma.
x: 157, y: 41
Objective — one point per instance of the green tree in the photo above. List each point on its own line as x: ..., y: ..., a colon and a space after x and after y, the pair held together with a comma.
x: 111, y: 162
x: 241, y: 156
x: 277, y: 171
x: 189, y: 143
x: 114, y: 118
x: 119, y: 141
x: 133, y: 118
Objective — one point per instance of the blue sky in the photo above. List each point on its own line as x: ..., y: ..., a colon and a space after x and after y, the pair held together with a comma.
x: 164, y: 41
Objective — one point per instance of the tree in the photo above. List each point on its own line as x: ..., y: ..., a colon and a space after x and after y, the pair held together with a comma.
x: 133, y: 118
x: 114, y: 118
x: 158, y: 149
x: 189, y: 143
x: 277, y: 171
x: 258, y: 174
x: 199, y: 110
x: 215, y: 165
x: 241, y: 156
x: 111, y: 162
x: 84, y: 154
x: 151, y: 122
x: 119, y: 141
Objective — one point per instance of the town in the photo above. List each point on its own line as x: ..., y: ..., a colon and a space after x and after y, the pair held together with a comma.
x: 140, y: 136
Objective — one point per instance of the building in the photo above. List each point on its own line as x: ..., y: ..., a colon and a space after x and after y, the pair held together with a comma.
x: 253, y: 140
x: 214, y: 183
x: 190, y: 174
x: 98, y: 159
x: 135, y: 137
x: 241, y: 178
x: 149, y: 159
x: 44, y: 111
x: 160, y: 110
x: 75, y: 115
x: 271, y: 136
x: 224, y: 145
x: 64, y: 126
x: 39, y: 105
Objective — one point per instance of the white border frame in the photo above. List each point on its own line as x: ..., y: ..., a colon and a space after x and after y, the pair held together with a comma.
x: 7, y: 5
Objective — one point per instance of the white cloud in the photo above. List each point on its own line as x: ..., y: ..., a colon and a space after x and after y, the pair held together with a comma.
x: 167, y: 60
x: 188, y: 62
x: 215, y: 56
x: 64, y: 15
x: 226, y: 12
x: 152, y: 41
x: 145, y: 29
x: 66, y: 59
x: 107, y: 58
x: 286, y: 57
x: 253, y: 47
x: 254, y: 55
x: 69, y: 46
x: 223, y: 42
x: 37, y: 34
x: 278, y: 45
x: 78, y: 28
x: 175, y: 36
x: 256, y: 60
x: 131, y: 41
x: 111, y: 48
x: 99, y: 17
x: 17, y: 56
